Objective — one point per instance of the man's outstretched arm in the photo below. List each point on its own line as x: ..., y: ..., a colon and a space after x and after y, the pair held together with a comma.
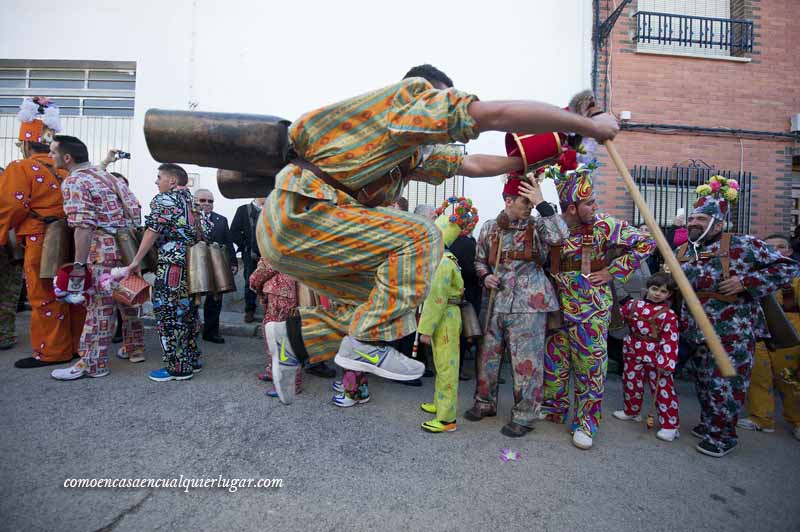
x: 537, y: 117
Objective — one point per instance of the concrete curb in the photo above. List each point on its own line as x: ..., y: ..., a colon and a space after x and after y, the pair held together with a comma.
x: 246, y: 330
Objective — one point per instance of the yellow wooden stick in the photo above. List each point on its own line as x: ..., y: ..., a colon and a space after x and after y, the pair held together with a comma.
x: 712, y: 340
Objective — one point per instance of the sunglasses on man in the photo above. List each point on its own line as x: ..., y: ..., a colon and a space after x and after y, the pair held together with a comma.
x: 205, y: 201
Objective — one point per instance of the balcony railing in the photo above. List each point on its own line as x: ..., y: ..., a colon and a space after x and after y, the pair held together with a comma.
x: 731, y: 35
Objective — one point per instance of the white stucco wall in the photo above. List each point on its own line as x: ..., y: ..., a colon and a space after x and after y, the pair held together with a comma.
x: 284, y: 58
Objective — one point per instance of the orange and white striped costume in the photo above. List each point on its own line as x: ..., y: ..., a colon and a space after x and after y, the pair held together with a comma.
x: 376, y: 262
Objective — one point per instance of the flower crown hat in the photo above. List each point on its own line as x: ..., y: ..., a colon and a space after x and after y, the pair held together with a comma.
x: 40, y: 120
x: 715, y: 197
x: 457, y: 216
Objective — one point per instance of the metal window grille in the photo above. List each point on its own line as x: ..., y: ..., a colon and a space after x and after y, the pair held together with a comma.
x: 666, y: 189
x: 691, y: 32
x: 91, y: 89
x: 420, y: 193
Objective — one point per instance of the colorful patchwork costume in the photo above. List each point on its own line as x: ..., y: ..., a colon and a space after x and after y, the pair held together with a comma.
x: 579, y: 346
x: 518, y: 321
x: 172, y: 215
x: 30, y: 195
x: 738, y: 319
x: 93, y: 199
x: 441, y: 316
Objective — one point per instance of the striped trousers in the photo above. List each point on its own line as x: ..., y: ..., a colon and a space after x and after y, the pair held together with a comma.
x: 376, y: 263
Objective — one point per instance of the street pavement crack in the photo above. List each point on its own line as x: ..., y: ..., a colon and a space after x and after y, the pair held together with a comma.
x: 133, y: 509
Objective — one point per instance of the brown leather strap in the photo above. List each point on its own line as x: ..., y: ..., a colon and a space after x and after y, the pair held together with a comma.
x: 367, y: 195
x: 652, y: 323
x: 717, y: 295
x: 788, y: 301
x: 572, y: 265
x: 324, y: 176
x: 587, y: 244
x: 527, y: 253
x: 724, y: 255
x: 555, y: 259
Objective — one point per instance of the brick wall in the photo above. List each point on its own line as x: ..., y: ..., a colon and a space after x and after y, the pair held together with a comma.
x: 759, y: 95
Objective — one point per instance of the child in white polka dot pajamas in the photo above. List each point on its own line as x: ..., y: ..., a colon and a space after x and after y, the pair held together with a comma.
x: 651, y: 351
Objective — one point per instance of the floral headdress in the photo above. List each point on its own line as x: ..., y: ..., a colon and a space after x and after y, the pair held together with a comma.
x: 461, y: 220
x: 715, y: 196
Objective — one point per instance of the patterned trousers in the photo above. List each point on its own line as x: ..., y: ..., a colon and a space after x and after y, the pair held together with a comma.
x: 580, y: 349
x: 523, y: 335
x: 176, y: 314
x: 101, y: 321
x: 10, y: 287
x: 56, y: 327
x: 661, y: 385
x: 376, y: 262
x: 721, y: 398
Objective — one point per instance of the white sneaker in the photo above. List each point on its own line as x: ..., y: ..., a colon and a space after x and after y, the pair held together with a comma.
x: 136, y: 358
x: 796, y: 433
x: 581, y: 440
x: 620, y: 414
x: 76, y: 372
x: 284, y: 363
x: 749, y: 424
x: 122, y: 353
x: 383, y: 361
x: 667, y: 434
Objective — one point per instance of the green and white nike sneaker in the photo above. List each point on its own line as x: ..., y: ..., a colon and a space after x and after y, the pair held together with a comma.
x: 284, y: 364
x: 383, y: 361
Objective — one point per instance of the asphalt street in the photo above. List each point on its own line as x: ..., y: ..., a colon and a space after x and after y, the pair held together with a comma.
x: 365, y: 468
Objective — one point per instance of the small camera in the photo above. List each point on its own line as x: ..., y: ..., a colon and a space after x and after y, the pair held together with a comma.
x: 123, y: 155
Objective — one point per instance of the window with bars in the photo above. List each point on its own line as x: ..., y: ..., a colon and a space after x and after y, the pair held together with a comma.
x: 85, y: 88
x: 693, y: 27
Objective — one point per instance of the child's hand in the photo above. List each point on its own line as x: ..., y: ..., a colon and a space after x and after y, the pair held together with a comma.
x: 424, y: 339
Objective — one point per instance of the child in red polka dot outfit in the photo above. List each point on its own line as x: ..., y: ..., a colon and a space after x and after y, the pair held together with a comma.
x: 651, y: 350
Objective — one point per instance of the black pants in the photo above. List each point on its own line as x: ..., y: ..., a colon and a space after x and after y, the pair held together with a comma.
x: 249, y: 265
x: 211, y: 310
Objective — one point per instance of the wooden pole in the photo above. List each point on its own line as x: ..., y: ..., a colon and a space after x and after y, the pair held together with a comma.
x: 493, y: 291
x: 712, y: 339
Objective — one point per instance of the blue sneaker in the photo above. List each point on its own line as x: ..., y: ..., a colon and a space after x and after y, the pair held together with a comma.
x: 284, y: 363
x: 163, y: 375
x: 337, y: 386
x: 341, y: 399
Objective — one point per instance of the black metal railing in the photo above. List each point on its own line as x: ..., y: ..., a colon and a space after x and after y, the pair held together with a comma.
x: 667, y: 189
x: 735, y: 36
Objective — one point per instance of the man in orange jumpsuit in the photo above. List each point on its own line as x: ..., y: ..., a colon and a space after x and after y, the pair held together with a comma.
x: 30, y: 195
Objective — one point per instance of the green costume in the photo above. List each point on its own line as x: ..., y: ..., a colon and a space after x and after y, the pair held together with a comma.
x: 441, y: 320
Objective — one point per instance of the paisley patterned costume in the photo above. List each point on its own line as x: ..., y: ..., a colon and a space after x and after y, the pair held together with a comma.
x: 579, y: 346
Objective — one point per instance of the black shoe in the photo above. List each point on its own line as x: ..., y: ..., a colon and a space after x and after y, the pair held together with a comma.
x: 699, y: 431
x: 715, y: 450
x: 501, y: 380
x: 214, y: 339
x: 30, y: 362
x: 116, y: 340
x: 464, y: 376
x: 321, y: 370
x: 23, y: 307
x: 476, y: 414
x: 428, y: 373
x: 515, y: 430
x: 416, y: 382
x: 250, y: 316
